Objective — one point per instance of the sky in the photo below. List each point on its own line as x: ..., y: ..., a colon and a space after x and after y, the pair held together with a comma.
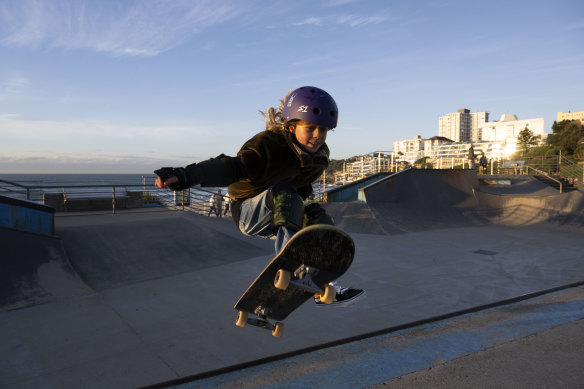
x: 121, y: 86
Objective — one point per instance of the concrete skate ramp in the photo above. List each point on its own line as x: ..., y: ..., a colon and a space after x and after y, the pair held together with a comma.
x: 559, y: 210
x: 114, y: 250
x: 354, y: 217
x: 167, y: 283
x: 506, y: 184
x: 421, y: 200
x: 35, y: 270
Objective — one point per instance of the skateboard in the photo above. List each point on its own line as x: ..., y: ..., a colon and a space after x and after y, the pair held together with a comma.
x: 313, y: 257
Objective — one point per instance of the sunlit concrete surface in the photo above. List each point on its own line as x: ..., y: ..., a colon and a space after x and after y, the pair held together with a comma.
x: 135, y: 299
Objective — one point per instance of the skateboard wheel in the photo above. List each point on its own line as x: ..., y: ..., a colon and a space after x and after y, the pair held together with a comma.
x: 329, y: 294
x: 241, y: 319
x: 282, y: 279
x: 278, y: 330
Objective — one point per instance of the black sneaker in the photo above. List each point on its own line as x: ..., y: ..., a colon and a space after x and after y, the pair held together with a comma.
x: 344, y: 297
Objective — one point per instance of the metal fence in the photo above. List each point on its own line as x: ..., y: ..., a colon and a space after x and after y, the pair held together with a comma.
x: 118, y: 197
x: 556, y: 166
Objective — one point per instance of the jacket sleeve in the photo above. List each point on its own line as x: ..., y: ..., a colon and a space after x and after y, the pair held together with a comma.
x: 219, y: 171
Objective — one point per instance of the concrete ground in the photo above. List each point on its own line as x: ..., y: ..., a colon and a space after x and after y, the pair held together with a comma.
x: 551, y: 358
x: 535, y: 343
x: 136, y: 299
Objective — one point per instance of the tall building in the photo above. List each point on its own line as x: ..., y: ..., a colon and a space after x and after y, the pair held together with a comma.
x: 478, y: 120
x: 571, y: 116
x: 462, y: 126
x: 455, y: 126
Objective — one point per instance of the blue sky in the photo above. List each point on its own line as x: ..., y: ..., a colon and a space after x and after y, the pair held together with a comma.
x: 127, y: 86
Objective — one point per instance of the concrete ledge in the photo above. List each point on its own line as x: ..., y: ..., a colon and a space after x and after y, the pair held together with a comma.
x: 26, y: 216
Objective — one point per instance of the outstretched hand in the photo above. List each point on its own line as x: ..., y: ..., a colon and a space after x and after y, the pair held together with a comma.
x: 169, y: 181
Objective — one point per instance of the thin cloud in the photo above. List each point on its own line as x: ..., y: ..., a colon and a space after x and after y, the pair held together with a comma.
x: 14, y: 85
x: 13, y: 127
x: 350, y: 20
x: 86, y: 162
x: 53, y: 146
x: 312, y: 21
x: 138, y: 28
x: 354, y: 21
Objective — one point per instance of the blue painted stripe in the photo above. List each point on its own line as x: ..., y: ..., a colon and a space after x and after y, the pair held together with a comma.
x: 374, y: 360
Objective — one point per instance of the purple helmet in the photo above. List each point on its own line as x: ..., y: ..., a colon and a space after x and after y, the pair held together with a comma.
x: 313, y: 105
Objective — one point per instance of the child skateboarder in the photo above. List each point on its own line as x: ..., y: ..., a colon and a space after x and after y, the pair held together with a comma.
x: 272, y: 174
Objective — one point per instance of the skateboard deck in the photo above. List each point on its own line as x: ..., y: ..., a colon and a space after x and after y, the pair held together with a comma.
x: 313, y: 257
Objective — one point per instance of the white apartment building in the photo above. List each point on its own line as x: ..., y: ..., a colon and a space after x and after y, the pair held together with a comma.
x: 366, y: 165
x: 462, y: 126
x: 459, y: 150
x: 433, y: 142
x: 409, y: 150
x: 496, y: 139
x: 440, y: 148
x: 507, y: 130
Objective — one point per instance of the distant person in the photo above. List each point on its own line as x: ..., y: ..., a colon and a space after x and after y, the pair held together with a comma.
x: 227, y: 205
x: 216, y: 204
x: 484, y: 162
x: 211, y: 205
x: 471, y: 157
x: 273, y: 172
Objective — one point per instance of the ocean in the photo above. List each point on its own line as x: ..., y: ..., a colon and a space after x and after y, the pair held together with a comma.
x: 78, y: 179
x: 87, y: 185
x: 56, y: 182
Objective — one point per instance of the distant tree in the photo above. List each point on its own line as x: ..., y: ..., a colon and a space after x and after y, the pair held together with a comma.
x: 422, y: 163
x: 525, y: 141
x: 568, y: 136
x: 335, y: 166
x: 541, y: 150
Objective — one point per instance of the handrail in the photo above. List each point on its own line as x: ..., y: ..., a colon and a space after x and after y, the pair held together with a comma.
x: 558, y: 165
x: 544, y: 174
x: 4, y: 189
x: 14, y: 183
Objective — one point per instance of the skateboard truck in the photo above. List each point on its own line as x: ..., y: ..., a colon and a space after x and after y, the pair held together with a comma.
x: 283, y: 279
x: 303, y: 280
x: 261, y: 322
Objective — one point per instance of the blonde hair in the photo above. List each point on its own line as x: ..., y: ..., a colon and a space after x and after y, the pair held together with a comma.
x: 273, y: 116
